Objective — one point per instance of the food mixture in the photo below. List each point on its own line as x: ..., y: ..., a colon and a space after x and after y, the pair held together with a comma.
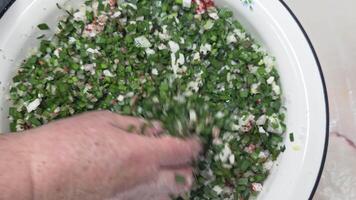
x: 188, y: 64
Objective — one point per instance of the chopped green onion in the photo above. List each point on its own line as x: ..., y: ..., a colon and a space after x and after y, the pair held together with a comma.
x: 43, y: 26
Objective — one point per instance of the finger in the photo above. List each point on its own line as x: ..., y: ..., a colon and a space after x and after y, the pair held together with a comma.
x: 136, y: 125
x: 127, y: 123
x: 175, y: 182
x: 176, y: 152
x: 160, y: 197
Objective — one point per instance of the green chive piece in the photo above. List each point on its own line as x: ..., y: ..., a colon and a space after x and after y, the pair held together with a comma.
x: 291, y: 137
x: 180, y: 179
x: 43, y: 26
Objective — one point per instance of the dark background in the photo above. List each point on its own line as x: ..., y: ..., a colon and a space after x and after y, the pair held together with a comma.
x: 4, y: 4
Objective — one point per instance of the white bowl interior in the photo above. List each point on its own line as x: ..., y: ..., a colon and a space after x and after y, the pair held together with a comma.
x: 273, y: 26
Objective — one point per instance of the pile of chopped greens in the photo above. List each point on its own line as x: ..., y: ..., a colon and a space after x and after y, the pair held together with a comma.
x: 200, y: 74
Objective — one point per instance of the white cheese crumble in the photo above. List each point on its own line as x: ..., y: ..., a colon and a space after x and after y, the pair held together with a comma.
x: 150, y: 51
x: 235, y: 127
x: 93, y: 51
x: 261, y: 120
x: 174, y: 63
x: 33, y: 105
x: 194, y: 86
x: 263, y: 154
x: 258, y: 48
x: 174, y: 47
x: 79, y: 16
x: 164, y: 34
x: 130, y: 94
x: 261, y: 130
x: 196, y: 56
x: 231, y: 39
x: 240, y: 34
x: 162, y: 46
x: 143, y: 42
x: 268, y: 165
x: 179, y: 98
x: 225, y: 153
x: 108, y: 73
x: 116, y: 14
x: 90, y: 68
x: 141, y: 18
x: 232, y: 159
x: 276, y: 89
x: 120, y: 98
x: 219, y: 115
x: 57, y: 51
x: 269, y: 63
x: 154, y: 71
x: 57, y: 110
x: 254, y: 88
x: 182, y: 40
x: 252, y: 69
x: 155, y: 99
x: 181, y: 59
x: 218, y: 189
x: 71, y: 40
x: 270, y: 80
x: 20, y: 127
x: 87, y: 88
x: 131, y: 5
x: 213, y: 15
x: 187, y: 3
x: 205, y: 48
x: 192, y: 115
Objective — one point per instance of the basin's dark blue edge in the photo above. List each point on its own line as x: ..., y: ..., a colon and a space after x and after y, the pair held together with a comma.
x: 325, y: 98
x: 5, y: 4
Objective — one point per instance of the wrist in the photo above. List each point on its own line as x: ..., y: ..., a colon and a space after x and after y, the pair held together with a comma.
x: 15, y: 168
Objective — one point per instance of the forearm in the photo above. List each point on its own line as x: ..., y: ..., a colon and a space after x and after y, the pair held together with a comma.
x: 39, y: 166
x: 32, y: 167
x: 15, y: 169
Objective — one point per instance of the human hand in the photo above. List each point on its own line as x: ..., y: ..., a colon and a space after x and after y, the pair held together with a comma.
x: 93, y: 156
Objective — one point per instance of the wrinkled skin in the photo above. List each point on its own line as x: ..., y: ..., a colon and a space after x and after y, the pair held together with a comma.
x: 93, y: 156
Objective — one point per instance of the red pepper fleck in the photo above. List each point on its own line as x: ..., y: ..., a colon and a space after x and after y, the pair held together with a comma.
x: 248, y: 126
x: 203, y: 5
x: 114, y: 102
x: 66, y: 69
x: 250, y: 148
x: 112, y: 3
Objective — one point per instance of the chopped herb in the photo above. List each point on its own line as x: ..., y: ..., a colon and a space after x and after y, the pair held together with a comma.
x: 43, y: 26
x: 58, y: 6
x: 131, y: 128
x: 41, y: 36
x: 291, y: 137
x: 179, y: 179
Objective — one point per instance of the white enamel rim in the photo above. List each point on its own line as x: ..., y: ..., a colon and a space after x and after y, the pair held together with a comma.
x: 273, y: 24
